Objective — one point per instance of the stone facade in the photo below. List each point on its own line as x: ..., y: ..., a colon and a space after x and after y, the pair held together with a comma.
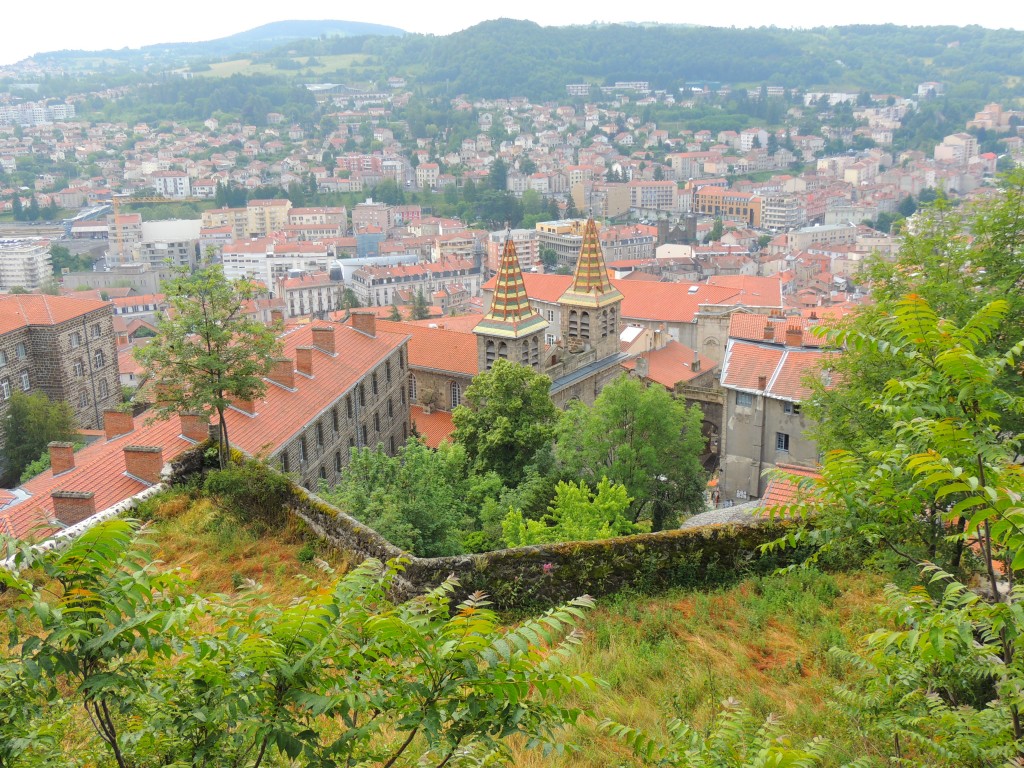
x: 373, y: 412
x: 74, y: 360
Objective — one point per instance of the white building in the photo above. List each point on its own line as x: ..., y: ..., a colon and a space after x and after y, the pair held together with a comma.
x: 171, y: 184
x: 24, y: 264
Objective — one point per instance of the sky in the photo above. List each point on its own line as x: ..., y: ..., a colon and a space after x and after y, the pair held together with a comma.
x: 26, y: 28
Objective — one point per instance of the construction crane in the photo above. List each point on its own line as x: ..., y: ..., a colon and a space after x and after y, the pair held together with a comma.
x: 117, y: 200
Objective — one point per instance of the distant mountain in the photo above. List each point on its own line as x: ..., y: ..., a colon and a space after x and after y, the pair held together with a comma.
x: 261, y: 38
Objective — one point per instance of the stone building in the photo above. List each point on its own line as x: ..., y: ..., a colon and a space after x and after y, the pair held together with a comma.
x: 61, y: 346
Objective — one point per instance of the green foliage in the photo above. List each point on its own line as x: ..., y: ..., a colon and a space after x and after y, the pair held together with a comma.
x: 61, y: 258
x: 32, y: 421
x: 208, y: 351
x: 506, y: 418
x: 420, y: 500
x: 342, y: 676
x: 251, y: 491
x: 644, y: 439
x: 575, y: 514
x: 735, y: 739
x: 935, y: 684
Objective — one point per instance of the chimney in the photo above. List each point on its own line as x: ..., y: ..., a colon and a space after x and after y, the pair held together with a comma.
x: 695, y: 365
x: 283, y: 372
x: 769, y: 331
x: 365, y: 322
x: 762, y: 383
x: 794, y: 336
x: 70, y: 507
x: 642, y: 367
x: 304, y: 360
x: 246, y: 406
x: 117, y: 423
x: 145, y: 462
x: 276, y: 316
x: 62, y: 457
x: 195, y: 425
x: 323, y: 339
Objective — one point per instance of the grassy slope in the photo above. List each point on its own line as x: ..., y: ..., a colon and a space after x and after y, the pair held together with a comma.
x: 762, y: 641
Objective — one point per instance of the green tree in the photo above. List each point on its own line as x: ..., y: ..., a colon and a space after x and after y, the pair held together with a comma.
x: 644, y: 439
x: 506, y: 418
x: 420, y: 500
x: 32, y: 421
x: 575, y: 514
x: 17, y: 209
x: 395, y: 316
x: 716, y: 231
x: 32, y: 212
x: 208, y: 351
x: 497, y: 177
x: 342, y: 676
x: 420, y: 305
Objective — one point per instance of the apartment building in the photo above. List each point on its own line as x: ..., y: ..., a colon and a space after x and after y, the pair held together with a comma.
x: 24, y: 264
x: 63, y: 347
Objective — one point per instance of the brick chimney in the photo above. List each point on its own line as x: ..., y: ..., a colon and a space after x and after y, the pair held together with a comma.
x: 276, y: 316
x: 62, y: 457
x: 117, y: 423
x: 304, y: 360
x: 762, y: 382
x: 246, y: 406
x: 145, y: 462
x: 195, y: 425
x: 769, y: 331
x: 70, y: 507
x: 365, y: 322
x: 283, y: 372
x: 323, y: 339
x: 794, y: 336
x: 695, y: 365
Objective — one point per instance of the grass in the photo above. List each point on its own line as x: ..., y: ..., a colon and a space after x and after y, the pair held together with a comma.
x: 764, y: 642
x: 248, y: 67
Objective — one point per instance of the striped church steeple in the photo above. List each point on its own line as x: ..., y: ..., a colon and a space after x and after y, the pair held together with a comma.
x: 591, y: 285
x: 510, y: 313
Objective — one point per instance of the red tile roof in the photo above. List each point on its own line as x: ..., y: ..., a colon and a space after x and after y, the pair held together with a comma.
x: 434, y: 427
x: 437, y: 348
x: 791, y: 485
x: 20, y: 310
x: 783, y: 368
x: 672, y: 364
x: 753, y: 291
x: 752, y: 328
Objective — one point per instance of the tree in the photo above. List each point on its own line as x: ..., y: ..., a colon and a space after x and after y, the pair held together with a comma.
x: 497, y: 177
x: 17, y: 209
x: 575, y: 514
x: 208, y: 351
x: 507, y: 416
x: 716, y: 230
x: 341, y: 676
x: 31, y: 423
x: 32, y: 212
x: 420, y: 305
x: 395, y: 316
x: 643, y: 438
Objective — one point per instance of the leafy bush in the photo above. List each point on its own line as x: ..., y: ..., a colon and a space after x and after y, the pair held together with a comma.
x: 251, y: 491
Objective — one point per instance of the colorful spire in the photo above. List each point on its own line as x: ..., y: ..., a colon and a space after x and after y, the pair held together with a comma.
x: 591, y: 284
x: 510, y: 313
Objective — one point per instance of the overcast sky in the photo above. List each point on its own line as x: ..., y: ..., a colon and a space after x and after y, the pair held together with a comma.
x: 27, y: 28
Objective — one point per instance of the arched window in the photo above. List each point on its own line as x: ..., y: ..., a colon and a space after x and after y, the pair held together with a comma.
x: 535, y: 351
x: 524, y: 352
x: 574, y: 323
x: 412, y: 387
x: 490, y: 355
x: 585, y: 326
x: 456, y: 394
x: 98, y: 359
x: 604, y: 323
x: 503, y: 351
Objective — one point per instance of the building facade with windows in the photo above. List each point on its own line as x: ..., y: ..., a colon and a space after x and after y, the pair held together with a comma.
x: 63, y: 347
x: 764, y: 377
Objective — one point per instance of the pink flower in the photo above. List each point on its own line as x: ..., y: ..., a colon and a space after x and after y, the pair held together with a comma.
x: 547, y: 567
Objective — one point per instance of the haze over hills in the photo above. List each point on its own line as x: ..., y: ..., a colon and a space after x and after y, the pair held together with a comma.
x: 260, y: 38
x: 509, y: 57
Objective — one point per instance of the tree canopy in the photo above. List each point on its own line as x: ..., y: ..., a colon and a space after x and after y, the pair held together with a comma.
x: 208, y: 350
x: 643, y: 438
x: 31, y: 423
x: 507, y: 416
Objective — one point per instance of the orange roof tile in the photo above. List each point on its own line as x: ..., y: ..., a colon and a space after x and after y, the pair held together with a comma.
x: 752, y: 328
x: 437, y: 348
x: 792, y: 484
x: 434, y: 427
x: 672, y: 364
x: 20, y: 310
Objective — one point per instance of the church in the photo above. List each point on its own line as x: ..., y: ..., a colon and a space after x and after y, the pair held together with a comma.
x: 582, y: 354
